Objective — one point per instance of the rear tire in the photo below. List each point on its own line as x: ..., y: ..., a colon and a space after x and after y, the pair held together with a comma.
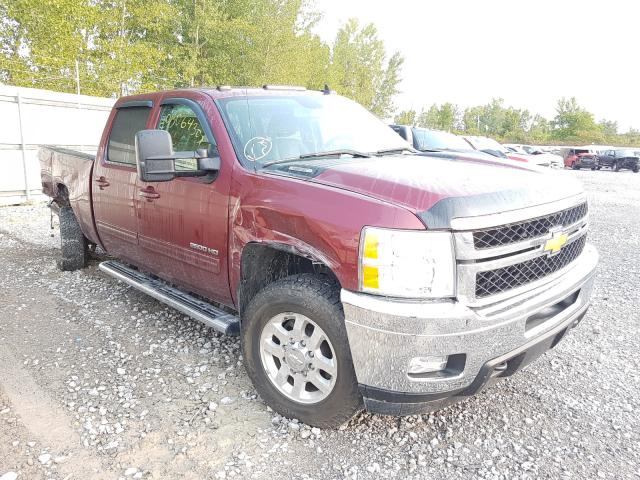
x: 574, y: 166
x: 316, y: 300
x: 73, y: 244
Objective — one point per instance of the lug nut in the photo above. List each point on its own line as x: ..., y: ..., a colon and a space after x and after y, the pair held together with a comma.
x: 302, y: 343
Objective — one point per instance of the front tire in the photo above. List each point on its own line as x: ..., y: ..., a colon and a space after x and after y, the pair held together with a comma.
x: 73, y: 244
x: 297, y: 352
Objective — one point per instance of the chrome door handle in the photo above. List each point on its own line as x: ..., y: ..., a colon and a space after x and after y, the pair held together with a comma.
x: 149, y: 194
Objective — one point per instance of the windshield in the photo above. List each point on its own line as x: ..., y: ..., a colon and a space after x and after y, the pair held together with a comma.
x: 437, y: 140
x: 484, y: 143
x: 267, y: 129
x: 515, y: 149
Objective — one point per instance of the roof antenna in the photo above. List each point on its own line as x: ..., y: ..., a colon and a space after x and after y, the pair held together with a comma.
x: 327, y: 90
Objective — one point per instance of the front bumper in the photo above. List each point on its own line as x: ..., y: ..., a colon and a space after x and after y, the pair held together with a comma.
x: 482, y: 343
x: 587, y: 163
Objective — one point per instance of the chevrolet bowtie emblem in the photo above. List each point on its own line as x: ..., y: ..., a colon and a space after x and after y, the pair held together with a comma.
x: 555, y: 243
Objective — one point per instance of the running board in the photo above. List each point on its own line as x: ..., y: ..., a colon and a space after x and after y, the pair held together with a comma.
x: 190, y: 305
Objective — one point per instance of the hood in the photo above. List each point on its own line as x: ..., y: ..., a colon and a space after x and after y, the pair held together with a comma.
x: 440, y: 187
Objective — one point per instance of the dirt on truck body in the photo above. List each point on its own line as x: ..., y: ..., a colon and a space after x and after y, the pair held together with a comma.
x: 356, y: 272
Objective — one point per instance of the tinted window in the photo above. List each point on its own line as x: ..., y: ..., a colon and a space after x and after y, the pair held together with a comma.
x: 436, y: 140
x: 187, y: 134
x: 128, y: 122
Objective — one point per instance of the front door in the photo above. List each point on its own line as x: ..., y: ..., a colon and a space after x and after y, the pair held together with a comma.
x: 114, y: 182
x: 182, y: 223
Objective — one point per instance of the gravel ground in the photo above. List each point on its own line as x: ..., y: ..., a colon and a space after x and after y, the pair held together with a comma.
x: 99, y: 381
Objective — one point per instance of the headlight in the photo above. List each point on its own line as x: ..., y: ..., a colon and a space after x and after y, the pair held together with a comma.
x: 407, y: 263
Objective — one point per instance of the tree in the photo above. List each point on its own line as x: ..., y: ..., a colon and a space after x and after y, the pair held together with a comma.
x: 609, y: 130
x: 131, y: 46
x: 118, y: 45
x: 358, y: 68
x: 429, y: 118
x: 471, y: 121
x: 630, y: 138
x: 444, y: 117
x: 574, y: 123
x: 514, y: 125
x: 405, y: 117
x: 539, y: 130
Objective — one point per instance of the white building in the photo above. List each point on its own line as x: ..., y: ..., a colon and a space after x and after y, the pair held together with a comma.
x: 29, y: 118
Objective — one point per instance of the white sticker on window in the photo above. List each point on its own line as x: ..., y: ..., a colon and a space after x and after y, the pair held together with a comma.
x: 257, y: 148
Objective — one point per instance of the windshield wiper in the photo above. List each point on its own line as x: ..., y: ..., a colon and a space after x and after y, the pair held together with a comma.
x: 328, y: 153
x: 390, y: 151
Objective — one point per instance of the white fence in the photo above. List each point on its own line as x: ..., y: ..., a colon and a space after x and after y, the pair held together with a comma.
x: 30, y: 118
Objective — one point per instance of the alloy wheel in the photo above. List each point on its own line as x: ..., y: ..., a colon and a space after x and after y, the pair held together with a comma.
x: 298, y: 358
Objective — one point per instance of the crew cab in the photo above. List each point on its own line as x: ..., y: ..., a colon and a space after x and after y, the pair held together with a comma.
x: 355, y: 271
x: 619, y: 159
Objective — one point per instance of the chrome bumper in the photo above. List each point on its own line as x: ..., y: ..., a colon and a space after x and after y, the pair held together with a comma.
x: 385, y: 334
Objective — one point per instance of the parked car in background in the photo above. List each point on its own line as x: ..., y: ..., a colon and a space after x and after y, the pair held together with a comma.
x: 425, y: 139
x: 598, y: 149
x: 355, y: 272
x: 577, y: 158
x: 543, y: 156
x: 619, y: 159
x: 489, y: 145
x: 521, y: 148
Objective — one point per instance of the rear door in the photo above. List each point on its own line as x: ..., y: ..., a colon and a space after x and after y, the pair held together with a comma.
x: 183, y: 222
x: 607, y: 158
x: 114, y: 181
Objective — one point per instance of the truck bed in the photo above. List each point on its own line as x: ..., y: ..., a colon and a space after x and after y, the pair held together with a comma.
x: 66, y: 177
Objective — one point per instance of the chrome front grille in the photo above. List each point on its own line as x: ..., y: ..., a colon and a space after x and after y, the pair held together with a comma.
x: 517, y: 232
x: 500, y: 280
x: 503, y: 255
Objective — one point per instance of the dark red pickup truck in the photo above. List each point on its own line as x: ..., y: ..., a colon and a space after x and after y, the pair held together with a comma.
x: 355, y: 271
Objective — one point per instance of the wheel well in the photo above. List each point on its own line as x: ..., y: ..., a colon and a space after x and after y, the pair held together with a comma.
x: 262, y: 264
x: 62, y: 196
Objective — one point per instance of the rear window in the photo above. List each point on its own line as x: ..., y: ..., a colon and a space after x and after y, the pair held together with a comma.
x: 128, y: 122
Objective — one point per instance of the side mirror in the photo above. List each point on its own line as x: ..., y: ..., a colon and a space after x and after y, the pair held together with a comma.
x: 154, y: 156
x: 208, y: 159
x: 209, y: 164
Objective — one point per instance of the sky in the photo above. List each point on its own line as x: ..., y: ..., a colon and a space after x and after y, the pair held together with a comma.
x: 530, y: 53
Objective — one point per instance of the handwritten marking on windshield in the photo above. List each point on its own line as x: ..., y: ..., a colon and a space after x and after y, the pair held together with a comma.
x: 257, y: 148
